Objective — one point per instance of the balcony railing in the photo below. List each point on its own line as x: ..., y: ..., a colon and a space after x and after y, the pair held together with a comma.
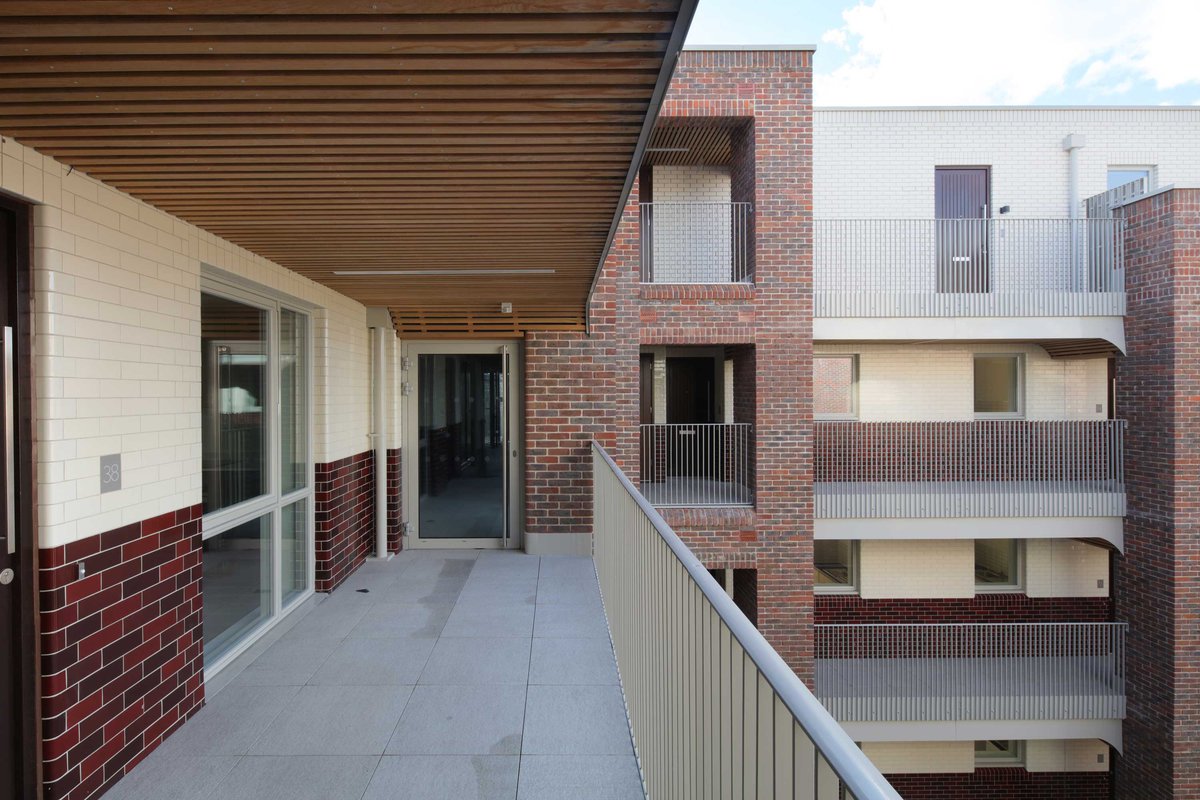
x: 972, y: 671
x: 999, y: 267
x: 1058, y: 468
x: 695, y: 242
x: 697, y: 465
x: 715, y: 711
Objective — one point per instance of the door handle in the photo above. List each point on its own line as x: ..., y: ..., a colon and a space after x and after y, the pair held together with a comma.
x: 10, y: 499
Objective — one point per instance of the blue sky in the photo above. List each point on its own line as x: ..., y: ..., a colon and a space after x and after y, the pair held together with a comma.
x: 970, y: 52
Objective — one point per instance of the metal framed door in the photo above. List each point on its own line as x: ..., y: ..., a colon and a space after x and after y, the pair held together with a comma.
x: 961, y: 207
x: 18, y: 569
x: 461, y: 445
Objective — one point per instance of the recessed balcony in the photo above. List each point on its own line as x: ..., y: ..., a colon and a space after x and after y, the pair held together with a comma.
x: 1060, y: 478
x: 1053, y: 279
x: 695, y: 242
x: 947, y: 675
x: 701, y: 465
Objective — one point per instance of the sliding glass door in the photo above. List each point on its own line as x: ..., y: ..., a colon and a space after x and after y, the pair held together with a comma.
x: 257, y: 465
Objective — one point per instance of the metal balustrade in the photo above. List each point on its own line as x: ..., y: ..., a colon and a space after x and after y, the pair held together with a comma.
x: 714, y: 710
x: 995, y: 267
x: 695, y: 242
x: 1053, y: 468
x: 697, y: 465
x: 971, y: 671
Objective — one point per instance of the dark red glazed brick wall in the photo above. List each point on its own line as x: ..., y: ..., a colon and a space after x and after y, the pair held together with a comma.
x: 1157, y: 581
x: 1004, y: 784
x: 121, y: 649
x: 853, y: 610
x: 345, y: 517
x: 395, y: 508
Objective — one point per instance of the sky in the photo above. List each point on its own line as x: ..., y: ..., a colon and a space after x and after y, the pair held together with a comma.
x: 977, y: 52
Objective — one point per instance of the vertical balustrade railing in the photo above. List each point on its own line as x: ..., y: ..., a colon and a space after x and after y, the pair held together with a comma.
x: 969, y: 468
x: 715, y: 711
x: 968, y: 267
x: 899, y: 672
x: 700, y: 242
x: 698, y: 465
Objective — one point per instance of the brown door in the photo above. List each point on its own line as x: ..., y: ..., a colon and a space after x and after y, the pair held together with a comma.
x: 961, y: 207
x: 694, y: 444
x: 18, y: 688
x: 647, y: 388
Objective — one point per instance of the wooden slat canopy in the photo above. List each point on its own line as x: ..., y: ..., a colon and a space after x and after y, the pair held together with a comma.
x: 487, y: 145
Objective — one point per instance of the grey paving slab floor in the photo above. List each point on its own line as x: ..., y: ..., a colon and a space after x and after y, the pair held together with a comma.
x: 437, y: 675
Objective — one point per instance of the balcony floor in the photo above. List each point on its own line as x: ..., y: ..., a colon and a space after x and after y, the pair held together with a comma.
x: 694, y: 492
x: 455, y: 674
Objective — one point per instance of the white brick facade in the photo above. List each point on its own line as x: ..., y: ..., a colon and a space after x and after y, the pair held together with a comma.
x: 117, y: 348
x: 691, y: 242
x: 870, y: 163
x: 935, y: 382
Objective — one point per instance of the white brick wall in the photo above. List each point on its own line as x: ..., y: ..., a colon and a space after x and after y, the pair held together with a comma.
x: 945, y: 568
x: 1065, y: 568
x: 898, y: 758
x: 916, y: 568
x: 692, y: 243
x: 1066, y: 755
x: 117, y: 348
x: 880, y: 162
x: 936, y: 381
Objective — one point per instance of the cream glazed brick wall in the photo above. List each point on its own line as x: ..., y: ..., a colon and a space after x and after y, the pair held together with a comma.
x: 1065, y: 568
x: 916, y: 568
x: 691, y: 244
x: 920, y: 382
x: 1066, y: 755
x: 899, y: 758
x: 880, y: 162
x: 117, y: 348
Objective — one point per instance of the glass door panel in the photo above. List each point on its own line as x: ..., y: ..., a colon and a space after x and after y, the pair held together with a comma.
x: 461, y: 442
x: 236, y: 584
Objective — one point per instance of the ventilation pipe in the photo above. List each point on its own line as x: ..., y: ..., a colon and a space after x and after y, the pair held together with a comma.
x: 1072, y: 144
x: 379, y: 427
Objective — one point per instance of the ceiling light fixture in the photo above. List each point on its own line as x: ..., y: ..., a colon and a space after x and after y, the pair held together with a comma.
x: 451, y: 272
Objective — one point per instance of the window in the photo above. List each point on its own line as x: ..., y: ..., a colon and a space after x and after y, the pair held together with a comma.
x: 999, y: 753
x: 997, y: 565
x: 835, y: 387
x: 835, y: 566
x: 999, y: 390
x: 256, y: 487
x: 1119, y: 176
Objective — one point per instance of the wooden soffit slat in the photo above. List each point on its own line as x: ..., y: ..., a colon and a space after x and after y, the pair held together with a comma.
x: 339, y: 138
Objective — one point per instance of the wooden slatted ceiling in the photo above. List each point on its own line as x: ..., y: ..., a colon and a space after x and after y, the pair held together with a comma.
x: 353, y: 136
x: 693, y: 142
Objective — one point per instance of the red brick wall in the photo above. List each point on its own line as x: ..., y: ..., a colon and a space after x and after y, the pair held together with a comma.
x: 1004, y: 784
x: 121, y: 649
x: 851, y: 609
x: 580, y: 387
x: 345, y: 517
x: 1157, y: 582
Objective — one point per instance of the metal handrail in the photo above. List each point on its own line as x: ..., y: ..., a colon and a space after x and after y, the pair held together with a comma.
x: 971, y: 670
x: 998, y: 266
x: 837, y: 751
x: 698, y: 242
x: 697, y: 465
x: 1004, y: 467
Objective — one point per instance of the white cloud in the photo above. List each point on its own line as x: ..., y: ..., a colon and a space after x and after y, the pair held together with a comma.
x: 968, y: 52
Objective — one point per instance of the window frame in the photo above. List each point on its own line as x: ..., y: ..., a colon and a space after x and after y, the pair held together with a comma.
x: 1015, y: 760
x: 1149, y: 169
x: 852, y: 585
x: 1019, y: 358
x: 1018, y: 566
x: 853, y: 415
x: 272, y: 503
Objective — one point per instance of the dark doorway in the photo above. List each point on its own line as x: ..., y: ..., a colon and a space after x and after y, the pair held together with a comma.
x: 694, y: 446
x: 18, y: 590
x: 961, y: 207
x: 647, y: 388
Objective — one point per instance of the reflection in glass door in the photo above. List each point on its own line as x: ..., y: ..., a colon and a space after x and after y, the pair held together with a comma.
x: 462, y: 480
